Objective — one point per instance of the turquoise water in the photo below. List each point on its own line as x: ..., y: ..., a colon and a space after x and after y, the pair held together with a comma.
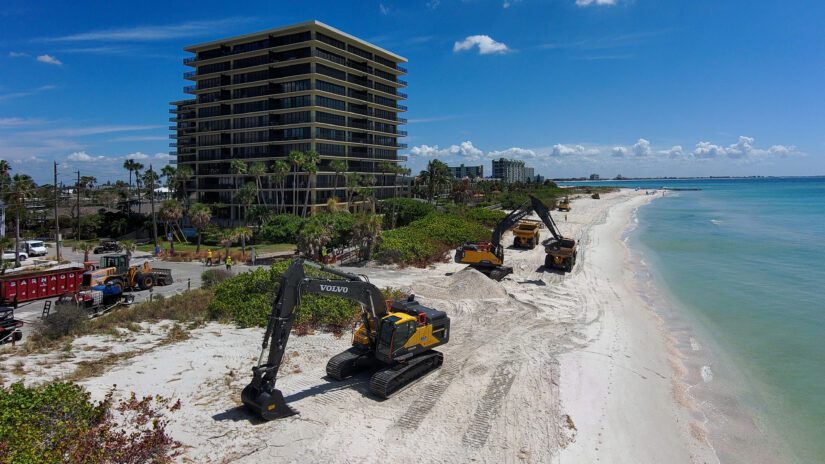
x: 747, y: 259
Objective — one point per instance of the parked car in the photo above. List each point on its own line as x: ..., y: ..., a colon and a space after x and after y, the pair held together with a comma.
x: 34, y: 248
x: 108, y: 246
x: 9, y: 256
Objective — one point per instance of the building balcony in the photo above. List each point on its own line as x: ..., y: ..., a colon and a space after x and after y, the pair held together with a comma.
x: 189, y: 75
x: 401, y: 68
x: 189, y: 89
x: 189, y: 60
x: 173, y: 144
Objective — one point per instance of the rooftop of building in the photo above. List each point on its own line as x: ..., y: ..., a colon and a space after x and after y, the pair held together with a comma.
x: 303, y: 25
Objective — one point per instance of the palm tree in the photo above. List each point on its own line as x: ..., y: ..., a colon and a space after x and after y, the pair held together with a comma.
x: 279, y: 172
x: 199, y: 216
x: 5, y: 168
x: 246, y: 197
x: 339, y: 166
x: 239, y: 169
x: 366, y: 231
x: 171, y: 212
x: 311, y: 160
x: 21, y: 188
x: 313, y: 236
x: 182, y: 176
x: 258, y: 171
x: 119, y: 226
x: 353, y: 182
x: 85, y: 247
x: 435, y: 177
x: 150, y: 178
x: 168, y: 172
x: 129, y: 165
x: 243, y: 234
x: 296, y: 158
x: 138, y: 182
x: 227, y: 238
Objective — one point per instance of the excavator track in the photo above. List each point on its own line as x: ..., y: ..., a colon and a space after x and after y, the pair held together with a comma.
x: 392, y: 379
x: 346, y: 364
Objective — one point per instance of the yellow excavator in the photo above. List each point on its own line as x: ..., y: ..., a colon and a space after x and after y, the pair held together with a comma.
x: 396, y: 338
x: 488, y: 257
x: 564, y: 204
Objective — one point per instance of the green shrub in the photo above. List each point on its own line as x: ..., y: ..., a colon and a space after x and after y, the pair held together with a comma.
x: 281, y: 228
x: 488, y: 217
x: 210, y: 277
x: 58, y: 423
x: 247, y: 300
x: 426, y: 240
x: 403, y: 211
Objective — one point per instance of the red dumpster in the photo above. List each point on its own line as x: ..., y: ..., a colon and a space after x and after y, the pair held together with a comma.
x: 20, y: 287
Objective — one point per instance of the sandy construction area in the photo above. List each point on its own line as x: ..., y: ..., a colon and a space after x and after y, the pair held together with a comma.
x: 542, y: 367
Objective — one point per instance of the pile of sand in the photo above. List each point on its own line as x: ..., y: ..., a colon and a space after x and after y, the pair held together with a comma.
x: 466, y: 284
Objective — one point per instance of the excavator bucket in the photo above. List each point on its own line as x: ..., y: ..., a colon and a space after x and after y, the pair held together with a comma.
x: 268, y: 405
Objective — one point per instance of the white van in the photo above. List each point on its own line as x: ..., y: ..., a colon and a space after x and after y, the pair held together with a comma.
x: 34, y: 248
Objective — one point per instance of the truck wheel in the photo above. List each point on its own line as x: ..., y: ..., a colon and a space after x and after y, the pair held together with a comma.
x: 145, y: 282
x: 116, y: 283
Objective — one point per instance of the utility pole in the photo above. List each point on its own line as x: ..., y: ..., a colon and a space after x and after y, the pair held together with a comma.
x: 152, y: 201
x: 77, y: 188
x: 56, y: 221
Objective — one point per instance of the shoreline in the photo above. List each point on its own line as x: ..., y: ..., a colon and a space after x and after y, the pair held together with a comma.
x: 641, y: 410
x: 718, y: 387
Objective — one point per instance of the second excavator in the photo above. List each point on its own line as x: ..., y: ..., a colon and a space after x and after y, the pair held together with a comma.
x: 396, y: 338
x: 488, y: 257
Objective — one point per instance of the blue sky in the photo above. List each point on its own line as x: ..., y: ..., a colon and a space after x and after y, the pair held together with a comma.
x: 632, y: 87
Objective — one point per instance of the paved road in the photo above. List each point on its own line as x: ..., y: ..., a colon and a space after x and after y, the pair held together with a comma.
x: 186, y: 275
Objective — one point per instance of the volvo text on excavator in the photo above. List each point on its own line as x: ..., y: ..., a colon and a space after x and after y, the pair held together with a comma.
x: 488, y: 257
x: 395, y: 337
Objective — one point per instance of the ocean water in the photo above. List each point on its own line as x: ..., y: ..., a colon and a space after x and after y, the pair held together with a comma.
x: 744, y: 260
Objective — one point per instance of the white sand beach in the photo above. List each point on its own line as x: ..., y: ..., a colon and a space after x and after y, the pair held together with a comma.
x: 541, y: 367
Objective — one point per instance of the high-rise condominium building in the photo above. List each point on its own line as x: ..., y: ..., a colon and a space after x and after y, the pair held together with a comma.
x: 460, y: 172
x: 508, y: 170
x: 305, y: 87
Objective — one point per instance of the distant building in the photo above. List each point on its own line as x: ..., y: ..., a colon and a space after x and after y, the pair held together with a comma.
x: 529, y: 174
x: 508, y: 170
x: 460, y: 172
x: 594, y: 177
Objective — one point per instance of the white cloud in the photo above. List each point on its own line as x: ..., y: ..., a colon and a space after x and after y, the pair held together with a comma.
x: 642, y: 148
x: 152, y: 33
x: 433, y: 4
x: 82, y: 156
x: 91, y: 130
x: 742, y: 149
x: 6, y: 123
x: 595, y: 2
x: 27, y: 93
x: 514, y: 152
x: 384, y: 9
x: 486, y: 45
x: 163, y: 156
x: 48, y: 59
x: 509, y: 3
x: 137, y: 156
x: 559, y: 150
x: 18, y: 54
x: 619, y: 151
x: 675, y: 151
